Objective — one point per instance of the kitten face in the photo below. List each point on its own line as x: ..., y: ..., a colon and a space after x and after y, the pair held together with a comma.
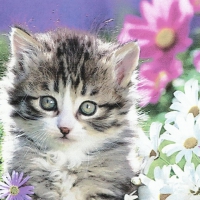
x: 69, y: 88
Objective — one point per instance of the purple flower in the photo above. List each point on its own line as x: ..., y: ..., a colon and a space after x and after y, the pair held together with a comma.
x: 13, y: 188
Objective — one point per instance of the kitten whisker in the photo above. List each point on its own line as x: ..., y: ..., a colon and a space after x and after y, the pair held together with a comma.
x: 20, y: 114
x: 24, y: 98
x: 17, y: 136
x: 31, y: 149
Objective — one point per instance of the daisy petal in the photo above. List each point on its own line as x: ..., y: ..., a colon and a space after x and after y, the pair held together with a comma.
x: 188, y: 155
x: 171, y: 149
x: 179, y: 156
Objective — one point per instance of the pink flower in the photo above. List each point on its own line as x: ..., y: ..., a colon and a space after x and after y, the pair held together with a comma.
x: 196, y: 5
x: 196, y: 60
x: 154, y: 78
x: 162, y: 29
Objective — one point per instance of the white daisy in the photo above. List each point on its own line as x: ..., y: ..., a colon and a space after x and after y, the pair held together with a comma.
x: 185, y: 136
x: 185, y: 102
x: 131, y: 196
x: 189, y: 183
x: 149, y: 149
x: 145, y: 193
x: 160, y: 188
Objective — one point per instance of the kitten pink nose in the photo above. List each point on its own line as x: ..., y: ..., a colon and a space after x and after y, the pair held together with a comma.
x: 64, y: 130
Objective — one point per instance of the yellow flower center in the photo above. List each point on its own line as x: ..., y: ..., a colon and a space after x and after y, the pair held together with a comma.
x: 14, y: 190
x: 190, y: 143
x: 164, y: 196
x: 194, y: 110
x: 165, y: 38
x: 161, y: 75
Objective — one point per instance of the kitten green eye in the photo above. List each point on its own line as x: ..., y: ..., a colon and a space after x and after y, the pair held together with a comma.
x: 48, y: 103
x: 88, y: 108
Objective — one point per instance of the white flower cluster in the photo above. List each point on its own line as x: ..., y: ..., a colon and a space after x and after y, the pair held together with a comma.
x: 172, y: 166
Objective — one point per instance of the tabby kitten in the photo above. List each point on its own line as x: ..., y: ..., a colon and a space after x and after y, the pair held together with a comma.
x: 67, y: 105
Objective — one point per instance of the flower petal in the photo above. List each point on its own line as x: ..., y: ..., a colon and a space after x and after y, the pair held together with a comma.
x: 188, y: 155
x: 26, y: 190
x: 177, y: 170
x: 172, y: 129
x: 4, y: 194
x: 171, y: 149
x: 179, y: 156
x: 7, y: 179
x: 3, y: 185
x: 24, y: 181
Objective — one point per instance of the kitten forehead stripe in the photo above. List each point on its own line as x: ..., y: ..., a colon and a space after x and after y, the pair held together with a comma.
x: 94, y: 92
x: 45, y: 86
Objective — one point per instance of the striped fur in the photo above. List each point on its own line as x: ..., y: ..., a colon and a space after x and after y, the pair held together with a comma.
x: 99, y: 156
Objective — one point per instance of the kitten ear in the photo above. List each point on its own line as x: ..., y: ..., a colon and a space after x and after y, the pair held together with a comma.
x: 21, y: 40
x: 126, y: 59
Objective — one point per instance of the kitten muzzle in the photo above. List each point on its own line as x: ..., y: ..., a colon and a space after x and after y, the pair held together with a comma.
x: 65, y: 131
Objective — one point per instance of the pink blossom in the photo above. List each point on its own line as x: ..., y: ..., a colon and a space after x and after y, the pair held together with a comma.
x: 196, y: 5
x: 196, y: 60
x: 154, y: 77
x: 162, y: 29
